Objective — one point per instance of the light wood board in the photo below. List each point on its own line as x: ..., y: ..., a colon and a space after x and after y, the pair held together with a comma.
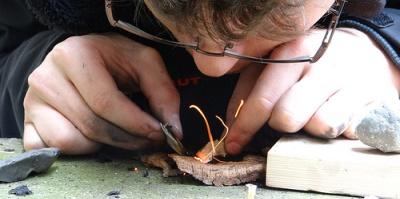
x: 338, y: 166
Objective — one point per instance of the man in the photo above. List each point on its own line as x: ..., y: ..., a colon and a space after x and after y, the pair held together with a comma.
x: 78, y: 96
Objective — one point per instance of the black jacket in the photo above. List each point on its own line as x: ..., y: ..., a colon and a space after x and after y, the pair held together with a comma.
x: 29, y: 30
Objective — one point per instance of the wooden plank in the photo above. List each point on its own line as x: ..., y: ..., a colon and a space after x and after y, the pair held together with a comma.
x: 338, y: 166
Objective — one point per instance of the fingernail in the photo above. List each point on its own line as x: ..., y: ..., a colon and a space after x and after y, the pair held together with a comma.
x: 233, y: 148
x: 176, y: 126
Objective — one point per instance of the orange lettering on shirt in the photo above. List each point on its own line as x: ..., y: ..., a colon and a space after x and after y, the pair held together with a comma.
x: 187, y: 81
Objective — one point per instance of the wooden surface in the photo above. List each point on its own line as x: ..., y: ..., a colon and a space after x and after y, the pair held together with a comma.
x: 337, y: 166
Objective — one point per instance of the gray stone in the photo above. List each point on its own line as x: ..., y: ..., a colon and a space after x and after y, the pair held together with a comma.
x: 21, y: 190
x: 379, y: 127
x: 19, y: 167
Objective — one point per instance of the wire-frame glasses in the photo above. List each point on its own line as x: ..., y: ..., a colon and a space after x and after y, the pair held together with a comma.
x: 227, y: 50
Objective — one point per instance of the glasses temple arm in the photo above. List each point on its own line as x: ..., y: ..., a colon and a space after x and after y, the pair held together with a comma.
x: 329, y: 34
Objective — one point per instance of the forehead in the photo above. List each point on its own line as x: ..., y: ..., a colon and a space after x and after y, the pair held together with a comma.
x: 287, y: 19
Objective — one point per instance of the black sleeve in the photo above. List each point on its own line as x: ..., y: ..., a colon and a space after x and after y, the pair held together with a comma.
x: 393, y: 4
x: 15, y: 68
x: 383, y: 29
x: 16, y: 25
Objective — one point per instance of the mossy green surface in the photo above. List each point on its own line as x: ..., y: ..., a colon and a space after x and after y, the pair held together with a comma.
x: 84, y: 177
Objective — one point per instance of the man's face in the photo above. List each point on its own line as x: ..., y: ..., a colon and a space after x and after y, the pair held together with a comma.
x: 252, y: 44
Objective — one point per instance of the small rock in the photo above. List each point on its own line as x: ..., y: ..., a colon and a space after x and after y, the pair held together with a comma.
x: 113, y: 193
x: 20, y: 166
x: 9, y: 150
x: 145, y: 173
x: 379, y: 127
x: 21, y: 190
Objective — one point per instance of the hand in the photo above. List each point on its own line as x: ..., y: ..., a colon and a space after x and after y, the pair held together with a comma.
x: 74, y: 101
x: 319, y: 97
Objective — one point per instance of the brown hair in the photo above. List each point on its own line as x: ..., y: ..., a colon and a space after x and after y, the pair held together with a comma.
x: 233, y: 19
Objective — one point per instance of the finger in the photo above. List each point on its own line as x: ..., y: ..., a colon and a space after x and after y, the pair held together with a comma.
x: 54, y: 130
x: 59, y: 93
x: 296, y: 107
x: 31, y: 138
x: 159, y: 89
x: 334, y: 116
x: 272, y: 83
x: 350, y: 134
x: 244, y: 85
x: 97, y: 87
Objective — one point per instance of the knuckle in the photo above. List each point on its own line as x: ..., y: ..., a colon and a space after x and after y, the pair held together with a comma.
x: 167, y: 93
x: 62, y: 52
x: 71, y: 43
x: 151, y: 52
x: 289, y: 49
x: 153, y: 55
x: 36, y: 78
x: 28, y: 101
x: 100, y: 103
x: 285, y: 121
x: 171, y: 95
x: 264, y: 104
x: 59, y: 54
x: 39, y: 79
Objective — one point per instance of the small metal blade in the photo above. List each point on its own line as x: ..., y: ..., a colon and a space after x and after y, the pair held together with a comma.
x: 174, y: 143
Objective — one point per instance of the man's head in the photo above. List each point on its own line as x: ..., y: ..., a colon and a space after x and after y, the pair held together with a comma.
x: 255, y: 27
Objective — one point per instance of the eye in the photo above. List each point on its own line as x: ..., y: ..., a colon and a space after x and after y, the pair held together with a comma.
x: 229, y: 45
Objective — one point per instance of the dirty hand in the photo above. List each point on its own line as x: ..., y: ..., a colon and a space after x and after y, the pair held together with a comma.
x: 74, y: 101
x: 319, y: 97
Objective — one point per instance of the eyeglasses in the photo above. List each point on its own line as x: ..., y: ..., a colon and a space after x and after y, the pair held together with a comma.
x: 336, y: 11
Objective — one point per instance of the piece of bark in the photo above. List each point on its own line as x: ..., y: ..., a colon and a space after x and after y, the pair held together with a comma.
x: 162, y: 161
x: 250, y: 169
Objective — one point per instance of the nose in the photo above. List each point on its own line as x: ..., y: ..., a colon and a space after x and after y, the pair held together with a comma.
x: 214, y: 66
